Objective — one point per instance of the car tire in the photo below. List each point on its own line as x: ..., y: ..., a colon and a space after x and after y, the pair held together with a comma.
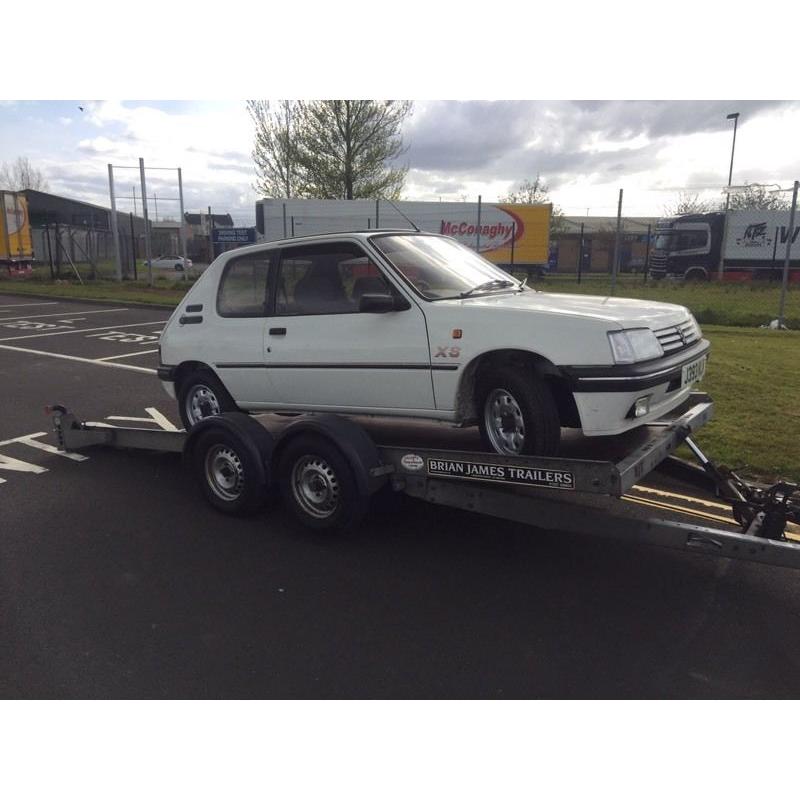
x: 318, y: 485
x: 179, y: 268
x: 201, y: 395
x: 226, y: 472
x: 517, y: 413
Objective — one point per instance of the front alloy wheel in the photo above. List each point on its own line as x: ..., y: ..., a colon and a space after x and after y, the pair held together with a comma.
x: 201, y: 402
x: 504, y: 423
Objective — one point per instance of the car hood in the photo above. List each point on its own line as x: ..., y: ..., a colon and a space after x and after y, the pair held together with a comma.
x: 625, y: 312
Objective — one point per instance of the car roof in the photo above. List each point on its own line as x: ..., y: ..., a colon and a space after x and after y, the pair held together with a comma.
x: 326, y: 237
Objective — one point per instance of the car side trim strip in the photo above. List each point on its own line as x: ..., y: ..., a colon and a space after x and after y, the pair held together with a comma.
x: 261, y: 365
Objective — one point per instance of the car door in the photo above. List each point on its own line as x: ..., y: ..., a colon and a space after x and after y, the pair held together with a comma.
x: 323, y: 352
x: 235, y: 343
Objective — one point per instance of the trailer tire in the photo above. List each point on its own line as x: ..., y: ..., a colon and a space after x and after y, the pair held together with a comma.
x: 201, y: 395
x: 226, y: 467
x: 517, y: 413
x: 318, y: 484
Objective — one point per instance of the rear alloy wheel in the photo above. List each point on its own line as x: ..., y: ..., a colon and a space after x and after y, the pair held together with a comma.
x: 201, y: 395
x: 518, y: 415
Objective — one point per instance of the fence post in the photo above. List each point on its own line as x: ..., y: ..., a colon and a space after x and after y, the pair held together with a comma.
x: 647, y: 255
x: 147, y: 252
x: 615, y: 268
x: 580, y: 255
x: 478, y: 232
x: 378, y: 213
x: 789, y: 237
x: 284, y: 221
x: 133, y: 250
x: 49, y: 250
x: 114, y: 222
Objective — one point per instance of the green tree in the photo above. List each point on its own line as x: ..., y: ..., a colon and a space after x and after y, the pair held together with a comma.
x: 274, y: 148
x: 533, y: 192
x: 689, y: 203
x: 346, y: 148
x: 758, y: 198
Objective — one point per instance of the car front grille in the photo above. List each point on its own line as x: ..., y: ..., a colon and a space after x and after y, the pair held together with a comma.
x: 676, y: 337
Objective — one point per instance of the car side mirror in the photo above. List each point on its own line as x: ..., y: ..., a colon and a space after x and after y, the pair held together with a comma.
x: 381, y: 303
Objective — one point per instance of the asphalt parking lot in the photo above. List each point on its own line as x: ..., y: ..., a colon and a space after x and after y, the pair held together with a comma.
x: 117, y: 580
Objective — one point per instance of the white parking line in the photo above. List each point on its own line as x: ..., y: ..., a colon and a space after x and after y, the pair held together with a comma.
x: 126, y: 355
x: 77, y: 330
x: 146, y: 370
x: 25, y: 305
x: 155, y: 416
x: 61, y: 314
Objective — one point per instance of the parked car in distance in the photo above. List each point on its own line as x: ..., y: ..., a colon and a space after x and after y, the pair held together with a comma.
x: 171, y: 262
x: 401, y: 323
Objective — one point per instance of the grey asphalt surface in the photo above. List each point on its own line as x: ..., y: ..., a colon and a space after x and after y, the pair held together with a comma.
x: 117, y: 580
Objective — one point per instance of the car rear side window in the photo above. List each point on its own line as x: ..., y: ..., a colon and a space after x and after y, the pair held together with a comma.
x: 244, y: 287
x: 326, y: 278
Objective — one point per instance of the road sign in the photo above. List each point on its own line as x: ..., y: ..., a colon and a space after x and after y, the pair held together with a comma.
x: 234, y: 235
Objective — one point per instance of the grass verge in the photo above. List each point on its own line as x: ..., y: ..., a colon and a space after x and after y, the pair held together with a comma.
x: 748, y: 305
x: 755, y: 383
x: 165, y: 292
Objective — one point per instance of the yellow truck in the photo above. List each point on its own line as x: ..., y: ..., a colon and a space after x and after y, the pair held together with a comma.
x: 16, y: 244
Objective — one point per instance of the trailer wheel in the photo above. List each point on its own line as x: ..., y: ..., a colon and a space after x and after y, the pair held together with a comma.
x: 226, y: 470
x: 318, y: 485
x: 201, y: 395
x: 518, y: 415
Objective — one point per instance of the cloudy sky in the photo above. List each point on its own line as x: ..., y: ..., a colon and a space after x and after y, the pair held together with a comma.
x: 586, y: 151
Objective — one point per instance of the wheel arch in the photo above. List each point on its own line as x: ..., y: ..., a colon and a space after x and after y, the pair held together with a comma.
x: 186, y: 368
x: 466, y: 396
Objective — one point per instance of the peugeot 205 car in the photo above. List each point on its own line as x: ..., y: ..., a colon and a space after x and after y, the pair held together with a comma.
x: 401, y: 323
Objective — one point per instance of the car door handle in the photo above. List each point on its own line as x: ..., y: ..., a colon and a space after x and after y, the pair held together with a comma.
x: 277, y: 331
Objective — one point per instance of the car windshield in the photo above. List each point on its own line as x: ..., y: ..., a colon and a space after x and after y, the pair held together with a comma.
x: 440, y: 268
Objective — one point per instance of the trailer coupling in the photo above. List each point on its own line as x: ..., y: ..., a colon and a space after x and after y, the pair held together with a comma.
x: 762, y: 511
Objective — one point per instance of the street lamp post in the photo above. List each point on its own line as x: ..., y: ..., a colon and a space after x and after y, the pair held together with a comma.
x: 735, y: 118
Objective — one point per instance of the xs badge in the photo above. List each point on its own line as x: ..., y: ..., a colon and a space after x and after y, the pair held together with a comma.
x: 447, y: 352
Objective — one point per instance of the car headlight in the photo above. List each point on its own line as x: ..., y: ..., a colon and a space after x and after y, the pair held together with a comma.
x: 639, y: 344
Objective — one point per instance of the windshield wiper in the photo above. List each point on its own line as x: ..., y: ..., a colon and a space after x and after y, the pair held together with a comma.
x: 497, y: 283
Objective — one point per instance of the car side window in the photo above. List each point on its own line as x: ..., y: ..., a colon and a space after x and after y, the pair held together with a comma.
x: 244, y: 286
x: 326, y: 279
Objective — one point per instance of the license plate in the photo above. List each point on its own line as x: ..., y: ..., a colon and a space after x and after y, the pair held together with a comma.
x: 694, y: 372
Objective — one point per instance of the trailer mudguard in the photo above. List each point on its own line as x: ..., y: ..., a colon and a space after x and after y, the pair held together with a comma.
x: 353, y: 441
x: 258, y: 440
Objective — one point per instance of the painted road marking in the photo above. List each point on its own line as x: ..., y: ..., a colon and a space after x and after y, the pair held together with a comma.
x: 126, y: 337
x: 131, y: 367
x: 61, y: 314
x: 127, y: 355
x: 4, y: 306
x: 29, y: 440
x: 680, y: 509
x: 699, y: 501
x: 15, y: 465
x: 77, y: 330
x: 155, y: 416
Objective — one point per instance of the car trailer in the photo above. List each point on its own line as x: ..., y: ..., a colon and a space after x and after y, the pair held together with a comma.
x: 328, y: 468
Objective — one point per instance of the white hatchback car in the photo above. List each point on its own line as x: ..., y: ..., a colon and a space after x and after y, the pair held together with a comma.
x: 398, y: 323
x: 177, y: 263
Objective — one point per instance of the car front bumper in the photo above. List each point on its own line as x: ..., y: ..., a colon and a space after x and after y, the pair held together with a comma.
x: 605, y: 396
